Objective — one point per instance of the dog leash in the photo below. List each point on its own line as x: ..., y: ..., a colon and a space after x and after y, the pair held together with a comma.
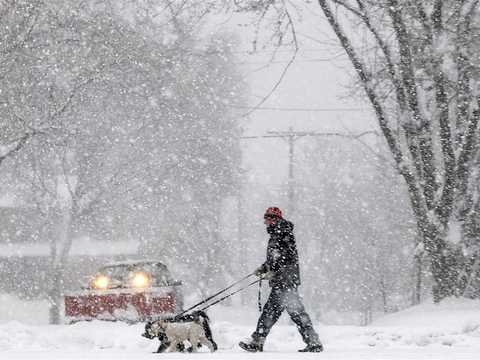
x: 218, y: 293
x: 227, y: 296
x: 260, y: 295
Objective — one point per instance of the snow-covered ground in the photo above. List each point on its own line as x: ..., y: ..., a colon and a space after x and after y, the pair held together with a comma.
x: 450, y: 330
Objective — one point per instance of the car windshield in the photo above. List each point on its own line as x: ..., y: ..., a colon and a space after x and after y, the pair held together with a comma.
x: 124, y: 272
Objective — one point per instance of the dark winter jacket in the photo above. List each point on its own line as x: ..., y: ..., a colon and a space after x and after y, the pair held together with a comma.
x: 282, y: 255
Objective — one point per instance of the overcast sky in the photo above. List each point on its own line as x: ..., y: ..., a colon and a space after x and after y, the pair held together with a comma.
x: 311, y: 97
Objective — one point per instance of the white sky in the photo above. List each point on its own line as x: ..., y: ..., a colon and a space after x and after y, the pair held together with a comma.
x: 311, y: 96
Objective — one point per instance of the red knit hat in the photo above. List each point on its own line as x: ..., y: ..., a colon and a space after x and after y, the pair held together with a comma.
x: 273, y: 211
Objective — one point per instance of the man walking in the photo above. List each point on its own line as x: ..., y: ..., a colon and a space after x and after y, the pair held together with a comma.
x: 282, y: 270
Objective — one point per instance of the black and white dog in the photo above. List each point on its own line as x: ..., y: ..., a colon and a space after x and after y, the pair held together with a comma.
x: 194, y: 327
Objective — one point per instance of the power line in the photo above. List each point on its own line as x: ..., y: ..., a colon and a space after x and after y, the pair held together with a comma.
x: 243, y: 137
x: 282, y: 135
x: 295, y: 109
x: 300, y: 50
x: 291, y: 136
x: 282, y: 61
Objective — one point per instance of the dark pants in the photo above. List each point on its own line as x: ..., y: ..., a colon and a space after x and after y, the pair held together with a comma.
x: 281, y: 299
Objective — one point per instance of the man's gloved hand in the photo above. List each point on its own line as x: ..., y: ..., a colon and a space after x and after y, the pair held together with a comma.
x: 260, y: 271
x: 269, y: 275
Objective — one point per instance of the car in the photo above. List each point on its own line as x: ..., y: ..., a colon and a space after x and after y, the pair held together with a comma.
x: 129, y: 291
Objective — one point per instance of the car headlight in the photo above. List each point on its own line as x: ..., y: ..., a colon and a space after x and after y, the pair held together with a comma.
x: 140, y: 280
x: 101, y: 282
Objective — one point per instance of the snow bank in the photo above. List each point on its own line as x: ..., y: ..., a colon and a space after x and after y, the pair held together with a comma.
x: 451, y: 312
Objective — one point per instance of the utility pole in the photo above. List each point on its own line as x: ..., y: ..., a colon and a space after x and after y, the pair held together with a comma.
x: 291, y: 136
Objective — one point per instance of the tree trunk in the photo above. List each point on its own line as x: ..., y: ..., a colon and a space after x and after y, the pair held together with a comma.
x: 443, y: 264
x: 417, y: 279
x: 59, y: 260
x: 56, y: 296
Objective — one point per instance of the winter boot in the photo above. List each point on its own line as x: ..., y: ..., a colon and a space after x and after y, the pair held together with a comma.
x: 254, y: 345
x: 312, y: 348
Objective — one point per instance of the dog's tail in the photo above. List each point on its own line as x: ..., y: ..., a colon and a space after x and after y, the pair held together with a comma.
x: 200, y: 320
x: 204, y: 314
x: 199, y: 313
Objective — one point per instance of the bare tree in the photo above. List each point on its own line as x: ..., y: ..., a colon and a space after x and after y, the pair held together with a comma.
x: 119, y: 117
x: 34, y: 104
x: 417, y: 63
x: 61, y: 60
x: 424, y: 94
